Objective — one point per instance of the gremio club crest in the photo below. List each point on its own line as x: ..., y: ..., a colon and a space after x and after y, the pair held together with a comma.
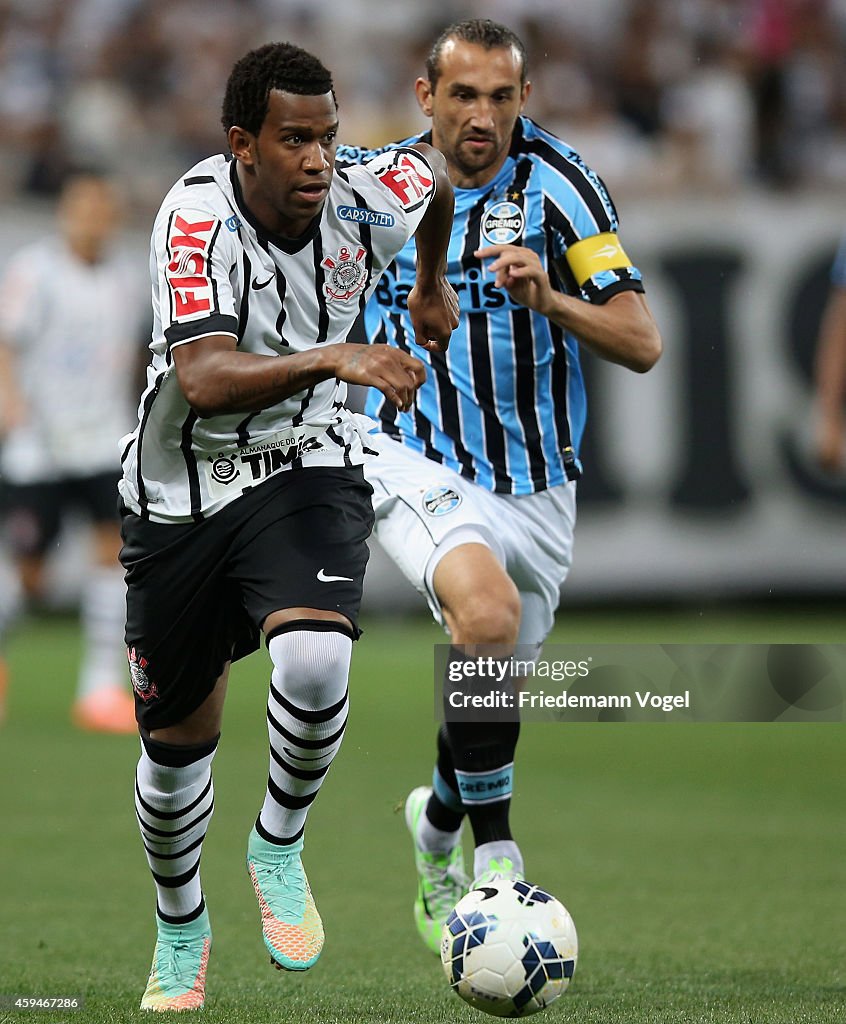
x: 503, y: 222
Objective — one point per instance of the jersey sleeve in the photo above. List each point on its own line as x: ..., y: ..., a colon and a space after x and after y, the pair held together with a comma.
x: 589, y: 256
x: 406, y: 182
x: 194, y: 253
x: 348, y: 156
x: 599, y: 267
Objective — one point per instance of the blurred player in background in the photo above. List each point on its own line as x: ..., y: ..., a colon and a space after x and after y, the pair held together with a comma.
x: 10, y: 605
x: 71, y: 317
x: 830, y: 373
x: 247, y: 510
x: 475, y: 486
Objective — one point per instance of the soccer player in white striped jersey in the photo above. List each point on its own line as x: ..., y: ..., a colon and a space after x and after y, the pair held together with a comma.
x: 476, y: 503
x: 246, y: 508
x: 72, y: 316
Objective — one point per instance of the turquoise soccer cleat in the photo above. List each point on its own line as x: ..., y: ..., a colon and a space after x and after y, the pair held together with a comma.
x: 290, y: 924
x: 178, y: 976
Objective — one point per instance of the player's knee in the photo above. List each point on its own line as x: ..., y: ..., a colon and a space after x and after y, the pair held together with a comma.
x: 491, y: 616
x: 164, y: 758
x: 311, y: 664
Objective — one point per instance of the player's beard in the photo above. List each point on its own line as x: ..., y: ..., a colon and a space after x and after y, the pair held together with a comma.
x: 470, y: 163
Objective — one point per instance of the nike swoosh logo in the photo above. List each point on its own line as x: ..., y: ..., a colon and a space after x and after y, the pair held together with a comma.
x: 257, y: 286
x: 299, y: 756
x: 332, y: 579
x: 606, y: 252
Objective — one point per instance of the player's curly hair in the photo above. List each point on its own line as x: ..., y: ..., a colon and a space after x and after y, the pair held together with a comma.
x: 483, y: 32
x: 282, y: 66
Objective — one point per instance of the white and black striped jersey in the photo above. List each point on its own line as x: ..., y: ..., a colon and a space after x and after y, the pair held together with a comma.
x: 75, y: 330
x: 216, y: 271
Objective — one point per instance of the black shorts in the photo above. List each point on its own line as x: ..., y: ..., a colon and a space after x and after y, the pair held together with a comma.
x: 32, y: 513
x: 198, y: 593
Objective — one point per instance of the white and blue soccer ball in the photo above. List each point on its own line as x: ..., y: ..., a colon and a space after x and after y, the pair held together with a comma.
x: 509, y: 948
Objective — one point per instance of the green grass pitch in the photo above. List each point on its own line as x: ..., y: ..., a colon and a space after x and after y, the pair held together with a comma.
x: 704, y: 865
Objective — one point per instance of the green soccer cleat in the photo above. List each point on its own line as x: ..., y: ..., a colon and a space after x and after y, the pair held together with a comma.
x: 178, y: 975
x: 441, y: 881
x: 501, y: 870
x: 290, y: 923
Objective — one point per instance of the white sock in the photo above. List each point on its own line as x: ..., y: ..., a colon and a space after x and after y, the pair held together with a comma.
x: 307, y: 711
x: 11, y: 596
x: 103, y: 613
x: 174, y: 804
x: 487, y: 852
x: 435, y: 840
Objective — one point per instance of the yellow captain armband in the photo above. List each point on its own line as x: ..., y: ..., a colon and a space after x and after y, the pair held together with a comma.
x: 594, y: 254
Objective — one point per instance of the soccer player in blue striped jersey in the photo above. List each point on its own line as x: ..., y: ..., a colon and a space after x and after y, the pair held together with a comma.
x: 474, y: 486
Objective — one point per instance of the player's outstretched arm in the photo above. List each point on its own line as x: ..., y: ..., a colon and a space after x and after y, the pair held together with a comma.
x: 622, y: 330
x: 217, y: 379
x: 432, y: 302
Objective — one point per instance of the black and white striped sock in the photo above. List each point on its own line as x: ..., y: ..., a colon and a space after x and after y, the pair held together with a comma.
x: 306, y: 714
x: 174, y: 800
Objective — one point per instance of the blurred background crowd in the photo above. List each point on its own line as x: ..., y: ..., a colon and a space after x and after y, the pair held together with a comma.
x: 720, y: 129
x: 662, y: 95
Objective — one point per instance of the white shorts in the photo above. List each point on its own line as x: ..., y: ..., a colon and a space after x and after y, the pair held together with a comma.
x: 424, y: 510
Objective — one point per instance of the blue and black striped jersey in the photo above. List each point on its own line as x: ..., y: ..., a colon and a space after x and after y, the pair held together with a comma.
x: 505, y: 405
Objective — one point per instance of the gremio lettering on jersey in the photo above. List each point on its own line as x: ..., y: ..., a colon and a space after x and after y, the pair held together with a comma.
x: 362, y: 215
x: 475, y: 295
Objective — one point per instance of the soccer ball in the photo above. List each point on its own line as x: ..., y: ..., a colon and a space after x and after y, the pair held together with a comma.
x: 509, y: 948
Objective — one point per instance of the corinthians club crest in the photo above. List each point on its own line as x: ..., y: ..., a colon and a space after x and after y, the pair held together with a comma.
x: 346, y: 273
x: 141, y: 682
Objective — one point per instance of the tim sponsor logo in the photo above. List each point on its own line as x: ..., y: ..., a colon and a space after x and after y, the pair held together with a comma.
x: 262, y: 460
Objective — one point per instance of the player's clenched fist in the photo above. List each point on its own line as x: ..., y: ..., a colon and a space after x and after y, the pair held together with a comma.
x: 396, y: 374
x: 434, y: 314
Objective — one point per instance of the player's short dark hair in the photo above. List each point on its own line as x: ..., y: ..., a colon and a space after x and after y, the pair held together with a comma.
x: 86, y: 172
x: 282, y: 66
x: 483, y: 32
